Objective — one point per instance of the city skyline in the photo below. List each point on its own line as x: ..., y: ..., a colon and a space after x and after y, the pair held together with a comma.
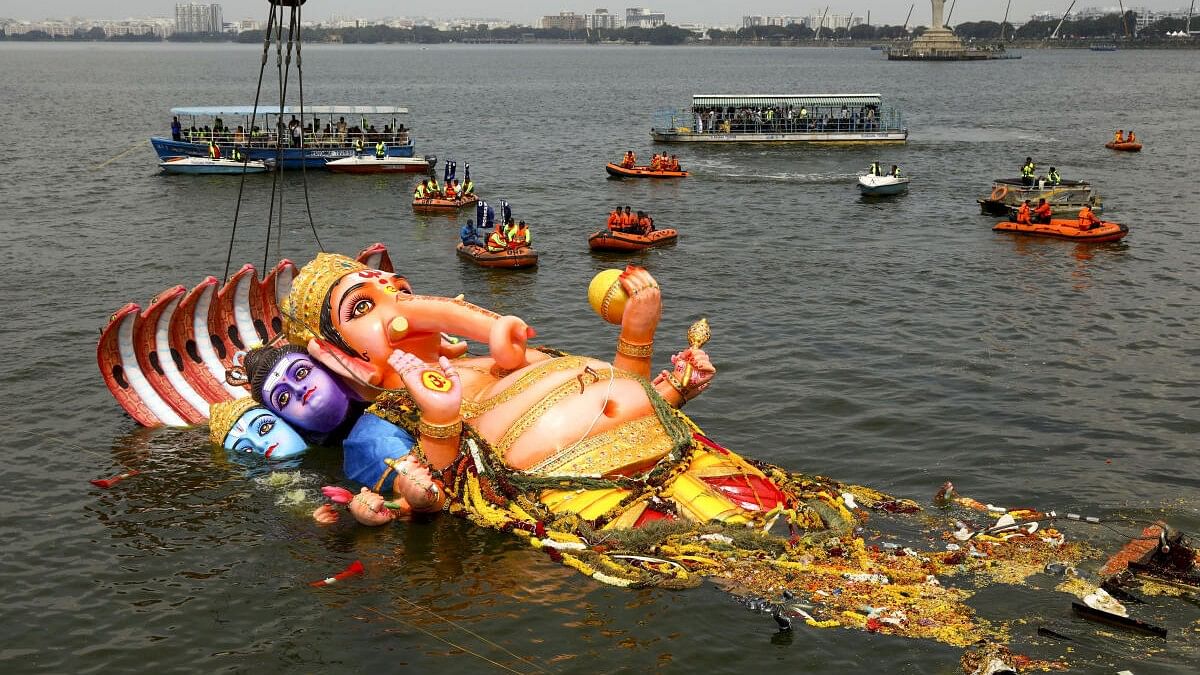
x: 677, y: 11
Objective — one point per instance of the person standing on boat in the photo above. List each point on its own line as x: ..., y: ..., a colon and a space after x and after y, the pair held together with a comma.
x: 875, y: 170
x: 214, y: 150
x: 358, y: 146
x: 1027, y: 171
x: 1053, y: 178
x: 1042, y: 213
x: 895, y: 173
x: 176, y: 129
x: 380, y: 150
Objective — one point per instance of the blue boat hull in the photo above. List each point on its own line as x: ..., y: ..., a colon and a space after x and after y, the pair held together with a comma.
x: 293, y: 158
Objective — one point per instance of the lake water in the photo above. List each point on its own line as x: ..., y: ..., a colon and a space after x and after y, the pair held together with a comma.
x: 895, y: 344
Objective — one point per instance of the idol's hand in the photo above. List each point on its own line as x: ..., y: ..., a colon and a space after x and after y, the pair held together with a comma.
x: 437, y: 390
x: 415, y: 484
x: 644, y: 307
x: 326, y: 514
x: 368, y: 509
x: 702, y: 372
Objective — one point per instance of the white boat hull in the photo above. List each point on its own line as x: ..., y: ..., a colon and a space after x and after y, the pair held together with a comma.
x: 882, y: 185
x: 211, y: 166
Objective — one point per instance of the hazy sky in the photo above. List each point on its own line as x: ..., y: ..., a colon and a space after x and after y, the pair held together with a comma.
x: 702, y: 11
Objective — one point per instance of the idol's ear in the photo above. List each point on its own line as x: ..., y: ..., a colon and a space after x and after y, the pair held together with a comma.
x: 236, y: 376
x: 357, y: 375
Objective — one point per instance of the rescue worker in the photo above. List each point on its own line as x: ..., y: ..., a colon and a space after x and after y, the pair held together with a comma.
x: 468, y: 234
x: 1024, y: 216
x: 419, y: 193
x: 380, y: 150
x: 875, y: 170
x: 1119, y: 137
x: 469, y: 186
x: 237, y: 155
x: 451, y: 191
x: 1042, y: 213
x: 628, y: 220
x: 895, y: 171
x: 630, y: 160
x: 520, y: 236
x: 1052, y: 177
x: 1131, y: 138
x: 1027, y: 171
x: 1087, y: 219
x: 614, y: 220
x: 358, y: 146
x: 214, y: 150
x: 673, y: 164
x: 496, y: 241
x: 645, y: 224
x: 510, y: 226
x: 432, y: 189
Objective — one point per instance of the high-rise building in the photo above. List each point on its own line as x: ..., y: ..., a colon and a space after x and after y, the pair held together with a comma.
x: 640, y: 17
x: 195, y: 17
x: 569, y: 21
x: 601, y: 19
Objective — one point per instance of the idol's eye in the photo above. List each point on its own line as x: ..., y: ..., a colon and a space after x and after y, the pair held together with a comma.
x: 266, y: 428
x: 302, y: 372
x: 283, y: 399
x: 359, y: 307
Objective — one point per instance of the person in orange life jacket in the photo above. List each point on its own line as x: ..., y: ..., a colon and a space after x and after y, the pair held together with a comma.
x: 496, y: 241
x: 614, y: 220
x: 629, y: 160
x: 1131, y: 138
x: 1087, y: 219
x: 628, y: 220
x: 451, y: 189
x: 1119, y: 137
x: 673, y: 163
x: 520, y: 236
x: 645, y: 224
x: 1023, y: 213
x: 1043, y: 212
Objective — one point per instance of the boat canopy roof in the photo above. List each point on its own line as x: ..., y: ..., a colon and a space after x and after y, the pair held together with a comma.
x: 213, y: 110
x: 756, y: 100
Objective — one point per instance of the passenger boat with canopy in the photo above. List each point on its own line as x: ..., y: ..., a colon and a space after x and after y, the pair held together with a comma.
x: 326, y: 132
x: 801, y: 118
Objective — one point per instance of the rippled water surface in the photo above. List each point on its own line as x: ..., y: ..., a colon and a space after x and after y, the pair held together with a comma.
x: 896, y: 344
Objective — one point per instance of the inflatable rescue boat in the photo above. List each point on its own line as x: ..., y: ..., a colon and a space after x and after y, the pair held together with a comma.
x: 619, y: 171
x: 513, y: 258
x: 1066, y: 228
x: 1124, y: 147
x: 430, y: 204
x: 607, y: 240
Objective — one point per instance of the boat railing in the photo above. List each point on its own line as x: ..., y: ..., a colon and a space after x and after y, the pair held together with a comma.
x: 774, y: 121
x: 311, y: 139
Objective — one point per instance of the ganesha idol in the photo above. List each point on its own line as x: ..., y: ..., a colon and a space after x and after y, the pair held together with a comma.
x: 526, y: 416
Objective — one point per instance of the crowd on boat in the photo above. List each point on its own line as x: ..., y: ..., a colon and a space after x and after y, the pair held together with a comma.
x: 784, y: 119
x: 507, y: 234
x: 658, y: 162
x: 626, y: 221
x: 293, y: 134
x: 450, y: 189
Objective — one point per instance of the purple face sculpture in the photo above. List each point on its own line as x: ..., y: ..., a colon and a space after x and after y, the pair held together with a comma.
x: 305, y: 394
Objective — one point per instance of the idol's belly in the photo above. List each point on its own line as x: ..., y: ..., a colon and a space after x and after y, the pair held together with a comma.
x: 568, y: 416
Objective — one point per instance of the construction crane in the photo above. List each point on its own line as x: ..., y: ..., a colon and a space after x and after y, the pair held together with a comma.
x: 1060, y: 21
x: 1004, y: 23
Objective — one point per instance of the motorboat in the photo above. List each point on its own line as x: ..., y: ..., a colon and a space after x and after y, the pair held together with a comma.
x: 878, y: 186
x: 211, y: 166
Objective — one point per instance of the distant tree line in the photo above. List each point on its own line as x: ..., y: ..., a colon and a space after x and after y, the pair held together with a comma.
x: 1108, y: 27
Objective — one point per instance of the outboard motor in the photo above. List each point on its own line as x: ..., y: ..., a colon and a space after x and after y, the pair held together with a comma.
x: 431, y: 160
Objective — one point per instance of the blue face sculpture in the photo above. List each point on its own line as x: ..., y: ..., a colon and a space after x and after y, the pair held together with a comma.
x: 261, y: 432
x: 305, y: 394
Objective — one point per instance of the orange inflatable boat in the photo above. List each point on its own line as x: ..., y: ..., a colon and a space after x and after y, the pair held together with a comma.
x: 1124, y: 147
x: 1066, y: 228
x: 430, y: 204
x: 510, y: 258
x: 607, y: 240
x: 641, y: 172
